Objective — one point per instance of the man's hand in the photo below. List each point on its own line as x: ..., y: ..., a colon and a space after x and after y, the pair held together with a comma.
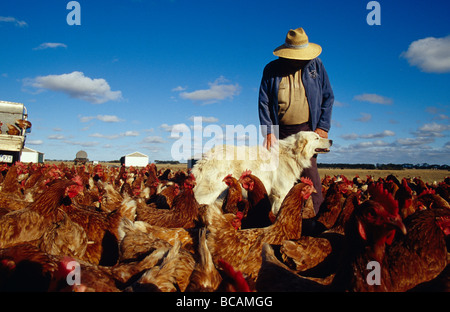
x: 270, y: 141
x: 321, y: 133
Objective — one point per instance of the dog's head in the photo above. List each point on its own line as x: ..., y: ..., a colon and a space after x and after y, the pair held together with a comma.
x: 309, y: 143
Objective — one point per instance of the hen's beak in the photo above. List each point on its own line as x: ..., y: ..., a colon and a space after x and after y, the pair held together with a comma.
x: 397, y: 222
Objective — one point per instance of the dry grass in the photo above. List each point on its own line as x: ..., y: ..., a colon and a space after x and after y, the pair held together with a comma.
x: 427, y: 175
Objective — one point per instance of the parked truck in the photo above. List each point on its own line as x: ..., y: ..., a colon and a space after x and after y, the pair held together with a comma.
x: 14, y: 127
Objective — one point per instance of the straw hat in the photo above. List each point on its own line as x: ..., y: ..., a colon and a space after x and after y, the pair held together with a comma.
x: 298, y: 47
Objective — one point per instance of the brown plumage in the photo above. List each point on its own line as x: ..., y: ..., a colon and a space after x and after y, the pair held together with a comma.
x: 11, y: 197
x: 370, y: 228
x: 102, y: 233
x: 187, y: 237
x: 32, y: 222
x: 420, y: 255
x: 352, y: 201
x: 430, y: 200
x: 331, y: 206
x: 205, y: 276
x: 170, y: 275
x: 12, y: 129
x: 259, y: 213
x: 23, y: 124
x: 275, y: 276
x: 183, y: 213
x: 94, y: 279
x: 306, y: 252
x: 404, y: 196
x: 234, y: 195
x: 24, y: 267
x: 164, y: 199
x: 242, y: 248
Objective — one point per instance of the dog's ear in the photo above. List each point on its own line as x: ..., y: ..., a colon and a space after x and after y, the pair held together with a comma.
x: 300, y: 146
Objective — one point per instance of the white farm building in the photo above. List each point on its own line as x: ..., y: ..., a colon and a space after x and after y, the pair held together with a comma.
x: 31, y: 156
x: 135, y: 159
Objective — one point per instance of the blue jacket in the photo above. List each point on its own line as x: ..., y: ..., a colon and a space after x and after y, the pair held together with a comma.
x: 317, y: 87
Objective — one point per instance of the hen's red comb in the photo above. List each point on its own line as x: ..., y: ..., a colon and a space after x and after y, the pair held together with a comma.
x: 306, y: 180
x: 77, y: 179
x: 245, y: 173
x: 427, y: 191
x: 383, y: 197
x: 228, y: 176
x: 240, y: 282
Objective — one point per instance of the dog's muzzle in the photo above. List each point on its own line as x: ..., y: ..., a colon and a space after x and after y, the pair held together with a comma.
x: 326, y: 149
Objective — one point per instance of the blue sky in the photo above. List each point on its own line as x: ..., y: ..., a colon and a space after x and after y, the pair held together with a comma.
x: 134, y: 69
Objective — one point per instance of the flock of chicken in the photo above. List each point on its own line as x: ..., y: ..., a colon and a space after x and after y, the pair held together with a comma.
x: 98, y: 228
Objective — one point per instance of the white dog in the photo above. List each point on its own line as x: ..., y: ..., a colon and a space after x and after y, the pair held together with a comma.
x: 278, y: 168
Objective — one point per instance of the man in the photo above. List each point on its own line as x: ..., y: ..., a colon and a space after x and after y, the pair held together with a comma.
x: 296, y: 95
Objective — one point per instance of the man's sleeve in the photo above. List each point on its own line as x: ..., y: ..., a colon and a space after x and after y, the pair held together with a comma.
x: 327, y: 102
x: 263, y: 106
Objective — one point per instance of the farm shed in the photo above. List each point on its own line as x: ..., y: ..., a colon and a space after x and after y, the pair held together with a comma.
x: 81, y: 158
x: 135, y: 159
x: 31, y: 156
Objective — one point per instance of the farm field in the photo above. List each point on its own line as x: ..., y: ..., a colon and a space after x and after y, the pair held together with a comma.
x: 427, y: 175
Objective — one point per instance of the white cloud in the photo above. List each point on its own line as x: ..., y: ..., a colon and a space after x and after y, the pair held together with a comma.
x: 153, y: 139
x: 351, y: 136
x: 383, y: 134
x: 178, y: 89
x: 50, y: 45
x: 176, y: 130
x: 176, y: 127
x: 86, y: 118
x: 205, y: 119
x: 370, y: 144
x: 83, y: 144
x: 76, y: 85
x: 339, y: 104
x: 414, y: 141
x: 431, y: 130
x: 56, y: 137
x: 34, y: 142
x: 218, y: 90
x: 104, y: 118
x: 373, y: 98
x: 130, y: 133
x: 365, y: 117
x: 104, y: 136
x: 434, y: 127
x: 441, y: 117
x: 10, y: 19
x: 166, y: 127
x: 108, y: 118
x: 354, y: 136
x: 115, y: 136
x: 431, y: 55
